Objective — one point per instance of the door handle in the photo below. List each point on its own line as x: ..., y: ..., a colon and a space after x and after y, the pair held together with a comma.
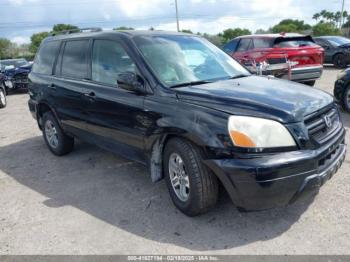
x: 90, y: 95
x: 52, y: 86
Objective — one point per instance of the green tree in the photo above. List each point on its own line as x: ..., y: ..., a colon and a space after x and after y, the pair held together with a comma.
x: 290, y: 26
x: 325, y: 29
x: 63, y: 27
x: 35, y: 41
x: 231, y: 33
x: 262, y: 31
x: 5, y: 46
x: 123, y: 28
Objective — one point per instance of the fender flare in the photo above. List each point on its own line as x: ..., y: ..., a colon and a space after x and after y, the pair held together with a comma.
x: 45, y: 103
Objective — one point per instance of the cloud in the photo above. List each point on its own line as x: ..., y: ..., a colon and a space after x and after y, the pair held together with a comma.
x: 21, y: 2
x: 132, y: 8
x: 20, y: 40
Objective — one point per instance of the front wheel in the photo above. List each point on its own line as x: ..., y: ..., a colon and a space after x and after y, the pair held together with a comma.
x: 56, y: 140
x: 192, y: 187
x: 3, y: 100
x: 339, y: 61
x: 346, y: 99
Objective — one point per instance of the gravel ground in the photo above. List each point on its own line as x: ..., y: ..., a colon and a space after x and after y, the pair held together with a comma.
x: 93, y: 202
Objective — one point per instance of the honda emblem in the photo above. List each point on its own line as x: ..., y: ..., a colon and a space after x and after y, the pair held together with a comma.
x: 327, y: 120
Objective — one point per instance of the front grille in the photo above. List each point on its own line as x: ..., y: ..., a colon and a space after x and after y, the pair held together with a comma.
x: 21, y: 78
x: 323, y: 125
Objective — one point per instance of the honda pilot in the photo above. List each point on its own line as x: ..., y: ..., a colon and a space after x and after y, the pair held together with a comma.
x: 189, y: 112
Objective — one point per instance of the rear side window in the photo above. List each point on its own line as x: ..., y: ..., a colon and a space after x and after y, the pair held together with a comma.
x: 74, y: 60
x: 244, y: 45
x: 262, y: 42
x: 231, y: 46
x: 46, y: 58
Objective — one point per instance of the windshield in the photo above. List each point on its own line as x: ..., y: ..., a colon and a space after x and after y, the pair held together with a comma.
x: 16, y: 63
x: 182, y: 59
x: 338, y: 41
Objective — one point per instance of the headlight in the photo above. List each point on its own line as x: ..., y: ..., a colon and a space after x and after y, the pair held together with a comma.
x: 341, y: 74
x: 253, y: 132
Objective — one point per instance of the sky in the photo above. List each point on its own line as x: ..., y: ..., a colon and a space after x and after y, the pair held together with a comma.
x: 19, y: 19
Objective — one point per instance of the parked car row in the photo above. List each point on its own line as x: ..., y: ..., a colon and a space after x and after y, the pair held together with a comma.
x: 197, y: 117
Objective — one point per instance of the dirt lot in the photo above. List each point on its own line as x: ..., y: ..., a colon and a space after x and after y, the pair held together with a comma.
x: 93, y: 202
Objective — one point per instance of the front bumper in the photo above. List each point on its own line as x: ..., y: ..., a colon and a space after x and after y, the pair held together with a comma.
x: 264, y: 182
x: 304, y: 74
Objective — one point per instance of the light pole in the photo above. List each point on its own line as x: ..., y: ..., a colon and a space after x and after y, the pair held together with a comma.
x: 177, y: 16
x: 342, y: 14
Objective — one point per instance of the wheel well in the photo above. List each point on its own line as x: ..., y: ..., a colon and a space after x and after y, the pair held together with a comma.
x: 42, y: 109
x: 156, y: 162
x: 339, y: 53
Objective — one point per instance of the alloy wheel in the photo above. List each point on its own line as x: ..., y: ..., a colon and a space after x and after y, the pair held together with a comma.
x: 347, y: 97
x: 178, y: 177
x: 51, y: 134
x: 2, y: 98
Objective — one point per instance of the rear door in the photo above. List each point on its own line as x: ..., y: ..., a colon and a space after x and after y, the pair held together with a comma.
x: 115, y: 115
x: 242, y: 53
x: 67, y: 86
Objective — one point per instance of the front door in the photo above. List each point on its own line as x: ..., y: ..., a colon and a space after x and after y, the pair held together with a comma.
x: 114, y: 115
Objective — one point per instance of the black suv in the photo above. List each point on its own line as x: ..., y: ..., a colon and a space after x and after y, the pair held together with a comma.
x: 188, y: 111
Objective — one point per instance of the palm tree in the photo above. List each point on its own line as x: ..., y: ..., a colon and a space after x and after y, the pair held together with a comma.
x: 323, y: 13
x: 316, y: 16
x: 337, y: 18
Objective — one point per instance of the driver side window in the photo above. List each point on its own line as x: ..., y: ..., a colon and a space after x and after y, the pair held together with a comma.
x: 108, y: 60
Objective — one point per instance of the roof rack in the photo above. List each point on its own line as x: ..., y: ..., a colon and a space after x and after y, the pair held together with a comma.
x: 77, y: 30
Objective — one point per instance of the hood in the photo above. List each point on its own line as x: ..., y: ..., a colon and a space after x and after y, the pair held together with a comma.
x: 345, y: 45
x: 18, y: 70
x: 272, y: 98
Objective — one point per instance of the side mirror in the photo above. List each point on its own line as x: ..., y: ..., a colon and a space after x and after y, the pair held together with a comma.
x: 10, y: 67
x: 131, y: 82
x: 326, y: 47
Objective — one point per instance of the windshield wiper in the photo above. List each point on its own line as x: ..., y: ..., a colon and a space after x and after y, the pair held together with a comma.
x: 193, y: 83
x: 238, y: 76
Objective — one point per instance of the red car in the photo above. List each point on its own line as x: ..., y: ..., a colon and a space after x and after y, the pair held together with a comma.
x: 305, y: 56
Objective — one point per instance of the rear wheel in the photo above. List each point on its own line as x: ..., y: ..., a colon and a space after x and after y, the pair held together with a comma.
x: 192, y: 187
x: 3, y: 100
x: 57, y: 141
x: 346, y: 99
x: 339, y: 61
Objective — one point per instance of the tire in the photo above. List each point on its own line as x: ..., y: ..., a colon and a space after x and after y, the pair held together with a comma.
x: 339, y: 61
x: 57, y: 141
x: 3, y: 99
x: 310, y: 83
x: 346, y: 99
x: 202, y: 191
